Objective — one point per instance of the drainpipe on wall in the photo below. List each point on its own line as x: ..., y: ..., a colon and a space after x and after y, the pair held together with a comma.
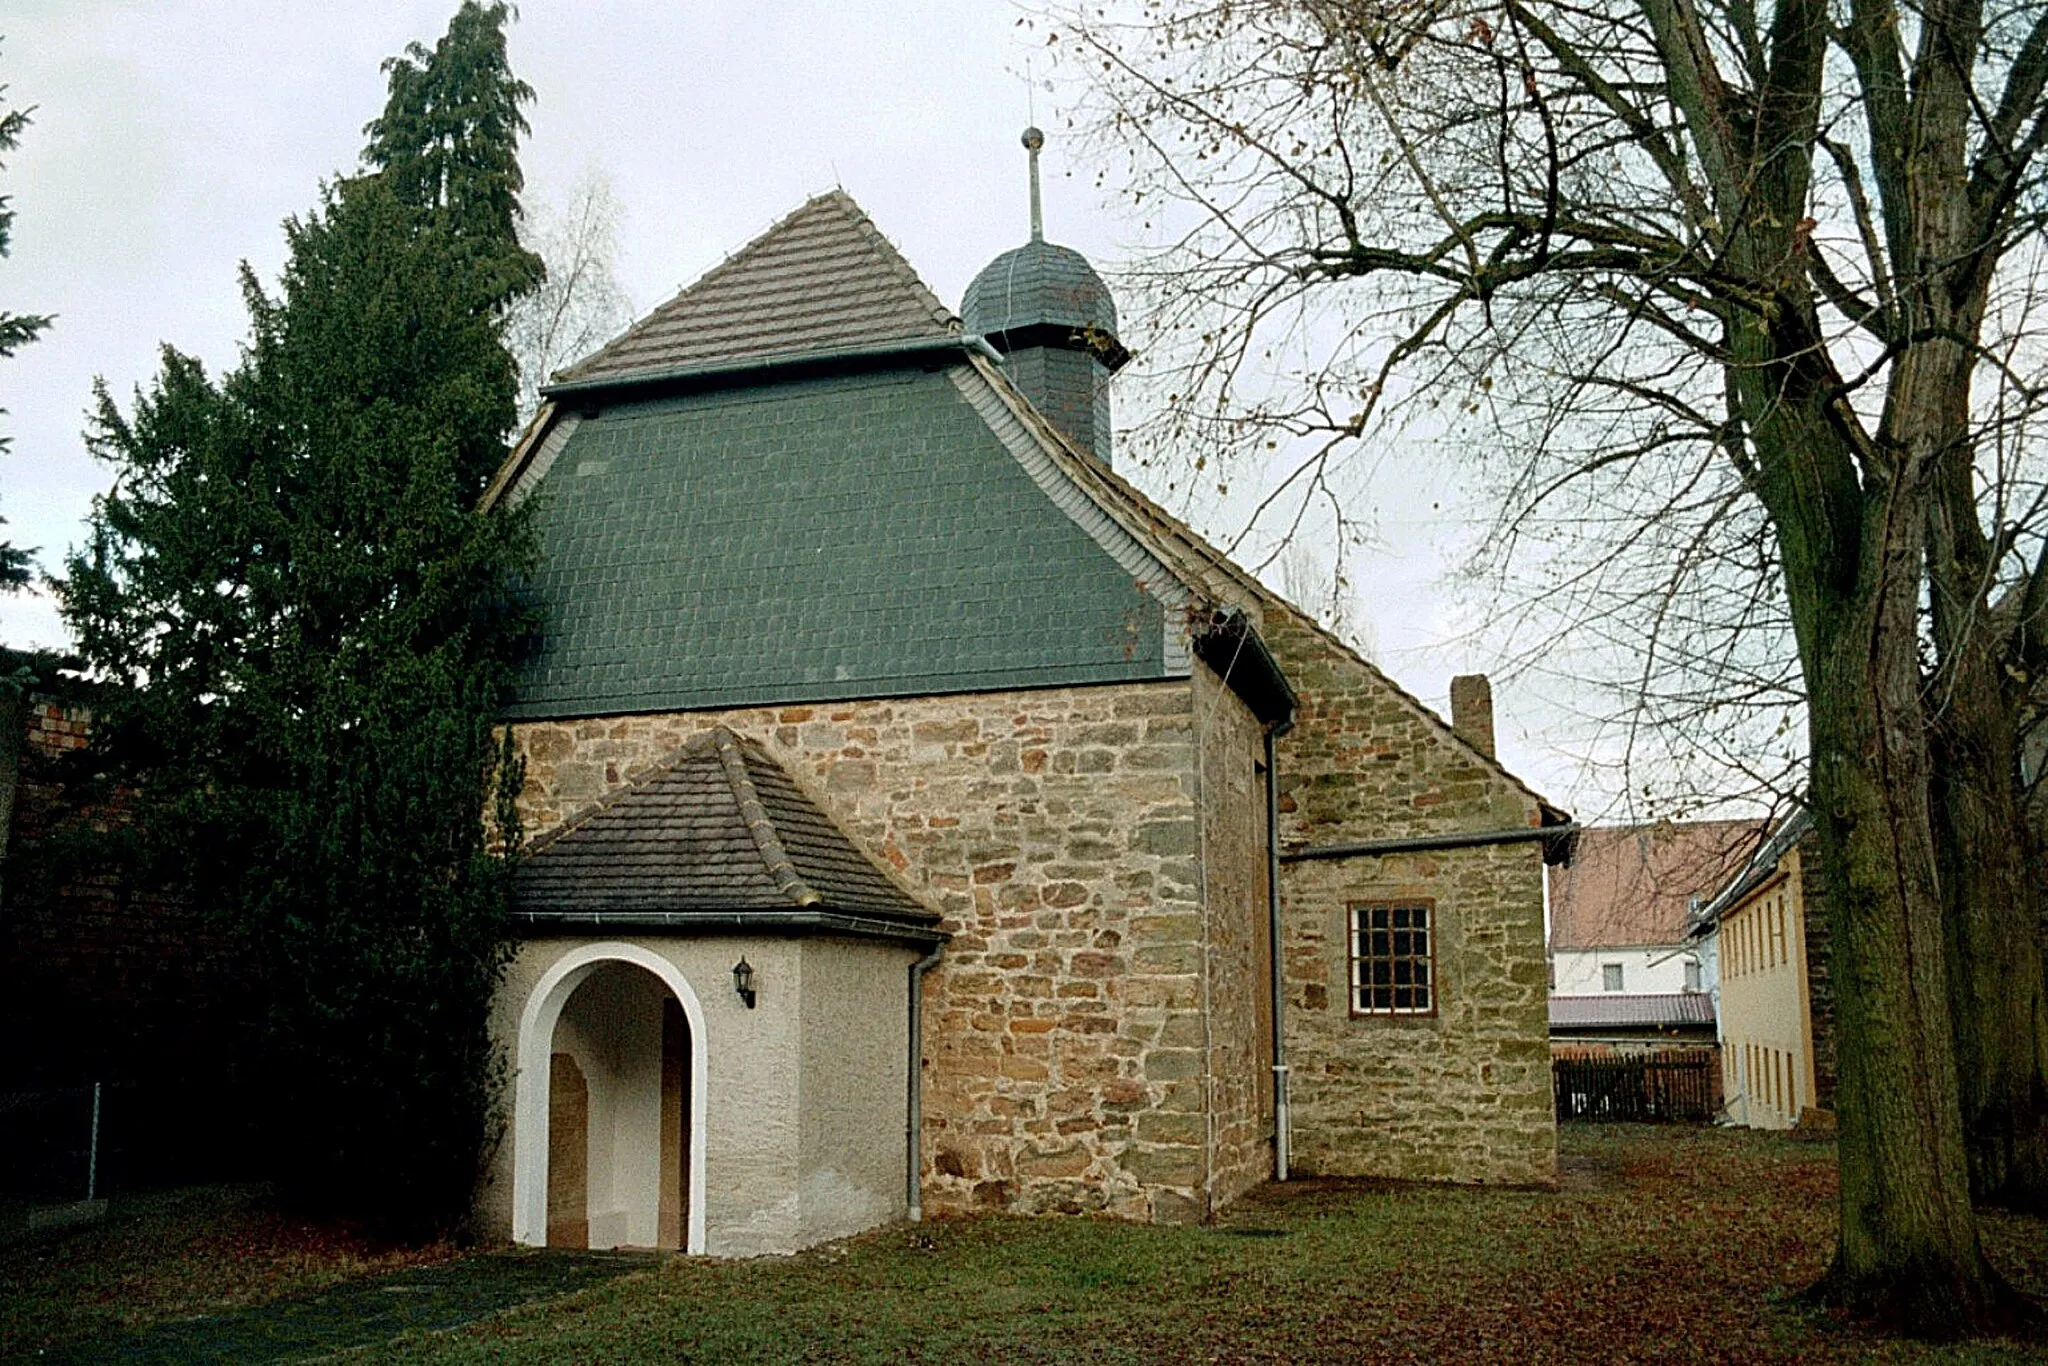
x: 913, y: 1125
x: 1281, y: 1142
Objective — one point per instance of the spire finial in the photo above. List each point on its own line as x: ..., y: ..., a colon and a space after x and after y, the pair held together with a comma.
x: 1033, y: 140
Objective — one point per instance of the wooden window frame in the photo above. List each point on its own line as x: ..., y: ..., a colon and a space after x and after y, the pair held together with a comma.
x: 1355, y: 985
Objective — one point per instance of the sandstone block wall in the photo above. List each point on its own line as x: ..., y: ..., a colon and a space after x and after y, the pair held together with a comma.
x: 1463, y: 1094
x: 1057, y: 831
x: 1238, y: 931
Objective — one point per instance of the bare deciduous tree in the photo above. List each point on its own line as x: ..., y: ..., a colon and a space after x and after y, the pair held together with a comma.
x: 1770, y: 261
x: 581, y: 305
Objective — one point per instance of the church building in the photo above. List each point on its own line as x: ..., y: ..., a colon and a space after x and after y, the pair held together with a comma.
x: 921, y: 820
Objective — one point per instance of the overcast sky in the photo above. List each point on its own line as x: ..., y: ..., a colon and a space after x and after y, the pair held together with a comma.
x: 172, y: 137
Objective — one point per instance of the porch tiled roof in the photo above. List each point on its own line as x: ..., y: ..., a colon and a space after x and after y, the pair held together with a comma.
x: 719, y: 832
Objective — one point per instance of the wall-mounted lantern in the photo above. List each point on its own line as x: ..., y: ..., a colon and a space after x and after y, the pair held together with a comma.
x: 743, y: 981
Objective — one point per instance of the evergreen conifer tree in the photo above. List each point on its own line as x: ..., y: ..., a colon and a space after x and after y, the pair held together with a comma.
x: 316, y: 628
x: 16, y: 331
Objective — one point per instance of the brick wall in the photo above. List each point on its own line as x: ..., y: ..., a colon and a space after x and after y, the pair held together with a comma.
x: 1057, y: 832
x: 104, y: 975
x: 1460, y: 1095
x: 1820, y: 963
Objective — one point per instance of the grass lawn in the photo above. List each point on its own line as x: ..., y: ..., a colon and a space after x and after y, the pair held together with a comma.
x: 1664, y: 1245
x: 196, y: 1251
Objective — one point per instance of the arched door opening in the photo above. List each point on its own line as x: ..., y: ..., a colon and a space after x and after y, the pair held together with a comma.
x: 618, y: 1113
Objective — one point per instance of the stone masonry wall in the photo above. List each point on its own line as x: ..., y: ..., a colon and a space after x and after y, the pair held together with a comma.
x: 1461, y: 1095
x: 1239, y: 985
x: 1056, y: 832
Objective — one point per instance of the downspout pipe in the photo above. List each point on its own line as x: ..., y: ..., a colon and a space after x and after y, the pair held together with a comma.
x: 1281, y: 1119
x: 913, y: 1124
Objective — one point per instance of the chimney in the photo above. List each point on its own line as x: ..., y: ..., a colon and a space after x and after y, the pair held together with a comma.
x: 1472, y: 711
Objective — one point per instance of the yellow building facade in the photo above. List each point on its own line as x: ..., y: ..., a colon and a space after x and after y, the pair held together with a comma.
x: 1774, y: 1007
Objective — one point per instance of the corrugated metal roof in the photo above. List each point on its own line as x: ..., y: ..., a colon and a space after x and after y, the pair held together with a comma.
x: 719, y: 829
x: 822, y: 278
x: 1622, y: 1011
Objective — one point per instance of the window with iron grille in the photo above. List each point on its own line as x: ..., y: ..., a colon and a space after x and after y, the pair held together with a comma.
x: 1393, y: 959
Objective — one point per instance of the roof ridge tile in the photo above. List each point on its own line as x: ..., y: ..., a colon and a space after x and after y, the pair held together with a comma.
x: 781, y: 869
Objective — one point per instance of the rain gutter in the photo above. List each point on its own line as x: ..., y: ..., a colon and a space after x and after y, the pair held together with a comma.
x: 781, y: 365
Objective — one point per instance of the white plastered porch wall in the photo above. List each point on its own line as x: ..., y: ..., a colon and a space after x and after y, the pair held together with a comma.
x: 542, y: 1011
x: 796, y: 1106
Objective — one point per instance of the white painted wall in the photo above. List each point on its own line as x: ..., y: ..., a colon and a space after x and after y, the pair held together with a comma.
x: 799, y: 1103
x: 1644, y: 972
x: 855, y: 1088
x: 611, y: 1025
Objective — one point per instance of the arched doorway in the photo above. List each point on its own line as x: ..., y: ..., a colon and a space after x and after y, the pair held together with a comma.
x: 609, y: 1107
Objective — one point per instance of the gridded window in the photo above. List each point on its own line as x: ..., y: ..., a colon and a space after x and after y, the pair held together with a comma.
x: 1694, y: 979
x: 1610, y: 977
x: 1393, y: 959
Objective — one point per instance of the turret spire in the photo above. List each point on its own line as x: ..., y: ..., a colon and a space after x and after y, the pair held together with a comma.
x: 1033, y: 140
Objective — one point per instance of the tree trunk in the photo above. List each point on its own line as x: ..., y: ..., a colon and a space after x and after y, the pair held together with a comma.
x: 1908, y: 1253
x: 1990, y: 897
x: 1853, y: 533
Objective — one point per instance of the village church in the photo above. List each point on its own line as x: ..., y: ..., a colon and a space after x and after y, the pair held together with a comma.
x: 922, y: 820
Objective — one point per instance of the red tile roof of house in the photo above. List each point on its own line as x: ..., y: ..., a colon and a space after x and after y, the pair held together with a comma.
x: 1630, y: 885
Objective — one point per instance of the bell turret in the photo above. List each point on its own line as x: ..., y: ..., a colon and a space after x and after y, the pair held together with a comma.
x: 1044, y: 307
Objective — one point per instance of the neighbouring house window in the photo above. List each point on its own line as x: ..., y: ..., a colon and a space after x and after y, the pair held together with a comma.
x: 1610, y: 977
x: 1393, y: 959
x: 1693, y: 980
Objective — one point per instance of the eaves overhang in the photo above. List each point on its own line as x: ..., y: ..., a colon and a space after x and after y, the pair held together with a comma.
x: 1229, y: 644
x: 591, y: 393
x: 813, y: 922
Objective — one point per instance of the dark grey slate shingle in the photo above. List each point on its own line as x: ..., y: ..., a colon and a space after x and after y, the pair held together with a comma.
x: 858, y: 537
x: 719, y: 830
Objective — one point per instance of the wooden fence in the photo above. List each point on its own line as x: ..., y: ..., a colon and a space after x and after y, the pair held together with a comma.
x: 1640, y: 1089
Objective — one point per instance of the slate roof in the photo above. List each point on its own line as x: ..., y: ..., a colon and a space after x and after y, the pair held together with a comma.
x: 1631, y: 885
x: 1217, y: 577
x: 821, y: 279
x: 721, y: 838
x: 1036, y: 283
x: 626, y: 633
x: 1617, y: 1010
x: 859, y: 536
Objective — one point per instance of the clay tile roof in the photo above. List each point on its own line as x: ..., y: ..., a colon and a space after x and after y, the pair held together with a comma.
x: 1631, y: 884
x: 719, y: 834
x: 822, y: 279
x: 1622, y: 1011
